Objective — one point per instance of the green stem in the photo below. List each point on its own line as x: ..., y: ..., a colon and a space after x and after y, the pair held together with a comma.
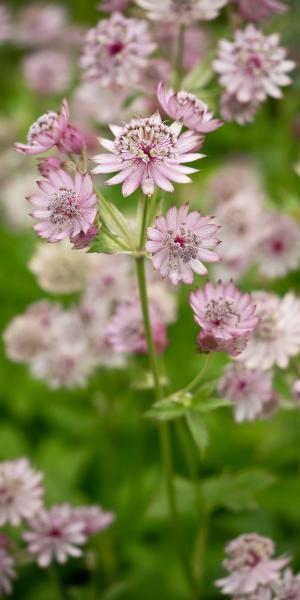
x: 113, y: 237
x: 198, y: 379
x: 179, y: 57
x: 143, y: 229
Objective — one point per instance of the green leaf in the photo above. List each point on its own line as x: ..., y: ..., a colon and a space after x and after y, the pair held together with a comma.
x: 198, y: 429
x: 116, y: 222
x: 205, y: 406
x: 166, y: 410
x: 200, y: 76
x: 236, y: 491
x: 104, y: 244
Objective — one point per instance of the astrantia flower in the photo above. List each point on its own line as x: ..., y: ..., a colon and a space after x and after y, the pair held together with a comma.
x: 40, y: 24
x: 63, y: 207
x: 278, y: 250
x: 126, y: 333
x: 259, y: 10
x: 46, y: 132
x: 55, y: 535
x: 21, y: 491
x: 253, y: 66
x: 234, y: 110
x: 249, y: 390
x: 116, y: 51
x: 179, y: 243
x: 82, y: 240
x: 226, y: 316
x: 94, y: 518
x: 288, y: 587
x: 146, y: 152
x: 113, y: 5
x: 235, y: 176
x: 47, y: 71
x: 184, y: 12
x: 277, y: 336
x: 7, y: 572
x: 50, y: 163
x: 250, y: 565
x: 188, y: 109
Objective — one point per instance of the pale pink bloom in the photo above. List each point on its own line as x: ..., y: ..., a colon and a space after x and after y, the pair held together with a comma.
x: 242, y: 112
x: 63, y: 207
x: 288, y: 587
x: 185, y: 12
x: 253, y: 66
x: 7, y: 572
x: 230, y: 268
x: 116, y: 51
x: 83, y: 240
x: 146, y: 152
x: 47, y: 71
x: 109, y: 283
x: 46, y: 132
x: 236, y: 175
x: 188, y: 109
x: 262, y: 593
x: 40, y: 24
x: 125, y: 331
x: 5, y: 23
x: 55, y: 535
x: 86, y: 102
x: 21, y: 491
x: 113, y: 5
x: 95, y: 519
x: 157, y: 69
x: 277, y: 336
x: 226, y: 316
x: 296, y: 391
x: 179, y: 243
x: 250, y: 565
x: 278, y: 250
x: 196, y: 45
x: 27, y: 335
x: 50, y: 163
x: 259, y: 10
x: 67, y: 362
x: 74, y: 141
x: 249, y: 390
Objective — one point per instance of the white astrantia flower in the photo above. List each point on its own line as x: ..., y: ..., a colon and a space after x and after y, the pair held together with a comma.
x: 184, y: 12
x: 21, y: 491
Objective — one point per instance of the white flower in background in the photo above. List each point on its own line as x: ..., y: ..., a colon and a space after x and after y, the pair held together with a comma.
x: 7, y: 572
x: 21, y: 491
x: 12, y: 199
x: 277, y: 336
x: 278, y: 250
x: 47, y: 71
x: 60, y: 269
x: 40, y: 25
x: 234, y: 176
x: 184, y: 12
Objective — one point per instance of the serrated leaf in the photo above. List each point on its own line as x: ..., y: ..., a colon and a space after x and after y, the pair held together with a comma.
x: 115, y: 221
x: 236, y: 491
x: 198, y: 429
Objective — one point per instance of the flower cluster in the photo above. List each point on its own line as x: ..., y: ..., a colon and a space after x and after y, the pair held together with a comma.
x: 52, y: 535
x: 251, y: 68
x: 254, y: 573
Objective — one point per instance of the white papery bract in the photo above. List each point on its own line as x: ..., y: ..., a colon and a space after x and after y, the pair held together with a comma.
x: 183, y: 12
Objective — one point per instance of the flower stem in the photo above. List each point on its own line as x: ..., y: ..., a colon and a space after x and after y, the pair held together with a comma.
x: 198, y: 379
x: 164, y: 433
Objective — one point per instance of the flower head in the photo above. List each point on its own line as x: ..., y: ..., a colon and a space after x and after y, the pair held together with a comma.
x: 278, y: 250
x: 259, y: 10
x: 179, y: 243
x: 188, y: 109
x: 126, y: 333
x: 63, y: 207
x: 249, y: 390
x: 253, y: 66
x: 116, y: 51
x: 146, y: 152
x: 83, y: 239
x: 277, y: 336
x: 48, y: 164
x: 55, y: 535
x: 250, y: 565
x: 288, y: 587
x: 47, y: 71
x: 40, y: 24
x: 94, y: 518
x: 21, y: 491
x: 185, y: 12
x: 242, y: 112
x: 7, y: 572
x: 46, y: 132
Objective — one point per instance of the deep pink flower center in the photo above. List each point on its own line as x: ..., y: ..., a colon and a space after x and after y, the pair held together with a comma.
x: 180, y: 240
x: 255, y: 61
x: 277, y: 246
x: 55, y: 532
x: 63, y: 207
x: 115, y: 48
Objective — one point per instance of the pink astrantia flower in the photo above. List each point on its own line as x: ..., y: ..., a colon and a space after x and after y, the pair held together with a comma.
x: 226, y: 316
x: 46, y: 132
x: 40, y: 24
x: 55, y: 535
x: 7, y: 572
x: 73, y: 141
x: 278, y: 250
x: 82, y: 240
x: 184, y: 12
x: 126, y: 333
x: 47, y: 71
x: 113, y: 5
x: 241, y: 112
x: 146, y: 152
x: 94, y: 518
x: 188, y: 109
x: 253, y: 66
x: 259, y: 10
x: 63, y: 207
x: 250, y: 565
x: 48, y: 164
x: 288, y: 587
x: 179, y: 243
x: 21, y: 491
x: 249, y: 390
x: 117, y: 50
x: 277, y: 336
